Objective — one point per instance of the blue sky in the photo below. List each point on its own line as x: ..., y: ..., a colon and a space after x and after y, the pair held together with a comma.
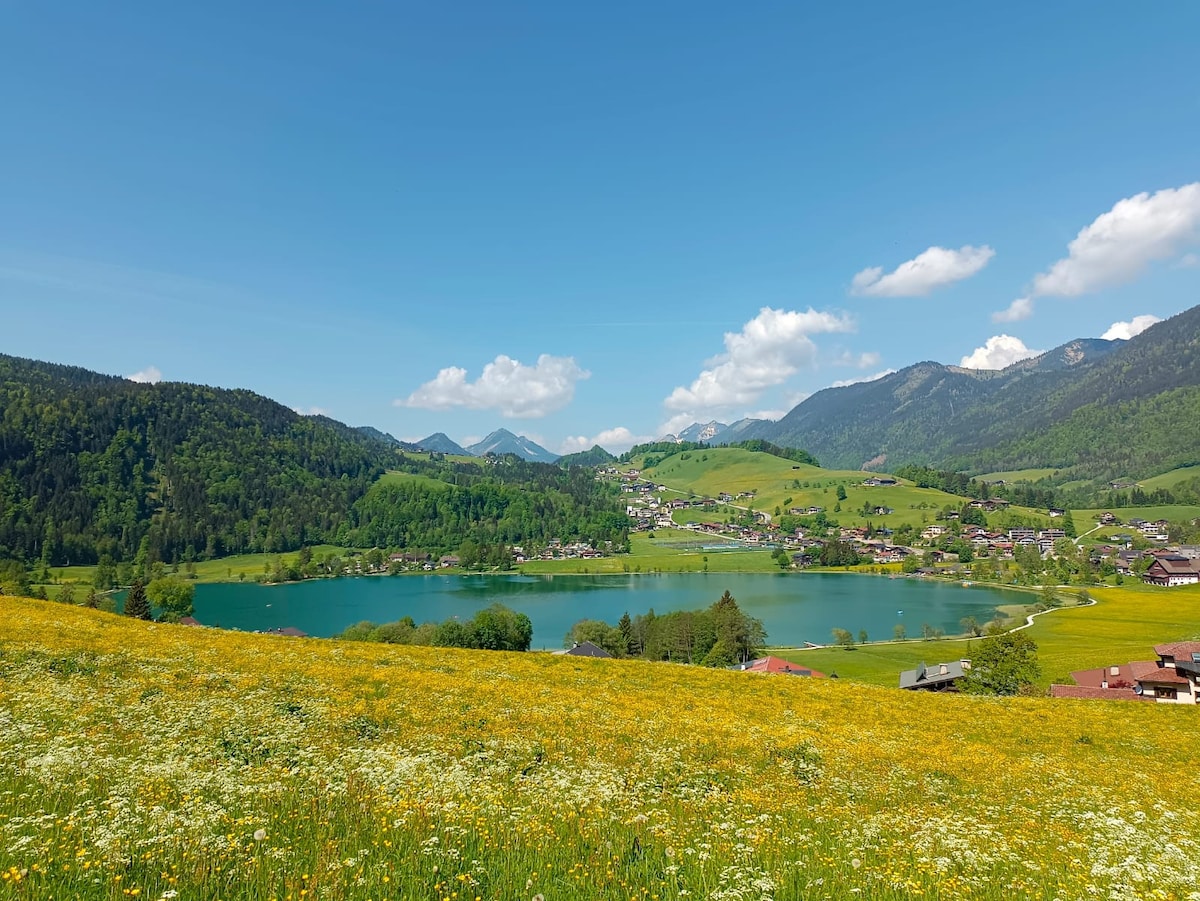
x: 583, y: 221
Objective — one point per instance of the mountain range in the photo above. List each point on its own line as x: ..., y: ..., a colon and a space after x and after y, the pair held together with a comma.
x: 501, y: 441
x: 1092, y: 408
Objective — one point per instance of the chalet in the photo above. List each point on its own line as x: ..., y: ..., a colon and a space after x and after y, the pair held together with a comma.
x: 1173, y: 569
x: 878, y: 481
x: 1107, y: 519
x: 779, y: 666
x: 883, y: 511
x: 1056, y: 512
x: 1174, y: 678
x: 584, y: 649
x: 932, y: 532
x: 939, y: 677
x: 1015, y: 535
x: 448, y: 560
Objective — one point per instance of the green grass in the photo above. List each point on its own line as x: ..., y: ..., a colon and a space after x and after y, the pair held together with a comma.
x: 733, y: 470
x: 1171, y: 512
x: 1170, y: 479
x: 661, y: 554
x: 1018, y: 475
x: 1123, y: 625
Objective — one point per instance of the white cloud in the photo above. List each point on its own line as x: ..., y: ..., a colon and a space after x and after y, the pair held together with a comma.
x: 862, y: 361
x: 935, y: 268
x: 842, y: 383
x: 150, y: 375
x: 311, y: 411
x: 768, y: 350
x: 999, y: 351
x: 1135, y: 326
x: 615, y: 441
x: 1021, y: 308
x: 1119, y: 244
x: 1188, y: 261
x: 516, y: 390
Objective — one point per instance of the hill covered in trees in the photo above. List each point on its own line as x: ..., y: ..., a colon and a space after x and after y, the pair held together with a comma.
x: 480, y: 509
x: 96, y: 467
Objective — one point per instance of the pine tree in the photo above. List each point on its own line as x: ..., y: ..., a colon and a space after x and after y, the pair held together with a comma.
x: 136, y: 603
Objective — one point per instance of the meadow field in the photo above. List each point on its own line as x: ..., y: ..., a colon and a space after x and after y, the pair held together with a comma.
x: 156, y: 761
x: 784, y: 484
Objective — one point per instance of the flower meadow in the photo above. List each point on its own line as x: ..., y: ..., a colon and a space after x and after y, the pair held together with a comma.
x: 155, y: 761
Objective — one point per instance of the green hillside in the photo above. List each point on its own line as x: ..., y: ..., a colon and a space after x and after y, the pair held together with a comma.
x: 94, y: 465
x: 783, y: 484
x: 1094, y: 410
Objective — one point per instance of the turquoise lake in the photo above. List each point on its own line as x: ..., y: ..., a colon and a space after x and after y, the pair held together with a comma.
x: 794, y: 607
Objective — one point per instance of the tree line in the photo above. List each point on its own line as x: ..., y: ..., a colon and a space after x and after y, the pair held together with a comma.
x: 495, y: 628
x: 720, y: 635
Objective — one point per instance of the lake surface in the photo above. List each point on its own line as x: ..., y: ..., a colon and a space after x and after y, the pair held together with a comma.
x: 794, y: 608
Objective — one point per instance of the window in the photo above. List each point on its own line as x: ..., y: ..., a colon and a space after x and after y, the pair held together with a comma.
x: 1165, y: 693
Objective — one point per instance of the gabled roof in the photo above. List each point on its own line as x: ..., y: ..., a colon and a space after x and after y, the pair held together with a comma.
x: 1150, y: 671
x: 585, y: 649
x: 780, y: 666
x: 924, y: 675
x: 1180, y: 650
x: 1092, y: 678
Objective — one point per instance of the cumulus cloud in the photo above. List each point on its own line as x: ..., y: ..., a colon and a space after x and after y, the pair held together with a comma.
x: 768, y: 350
x: 842, y: 383
x: 1135, y: 326
x: 935, y: 268
x: 150, y: 376
x: 516, y: 390
x: 999, y: 351
x: 862, y: 361
x: 1021, y: 308
x: 1119, y: 244
x: 311, y: 411
x: 615, y: 441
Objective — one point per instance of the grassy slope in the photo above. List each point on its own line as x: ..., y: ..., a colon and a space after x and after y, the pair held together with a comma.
x: 148, y: 761
x: 1123, y: 625
x: 1171, y: 479
x: 733, y: 470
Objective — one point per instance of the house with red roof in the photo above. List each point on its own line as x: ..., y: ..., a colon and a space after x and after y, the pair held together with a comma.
x: 779, y: 666
x: 1174, y: 678
x: 1173, y: 569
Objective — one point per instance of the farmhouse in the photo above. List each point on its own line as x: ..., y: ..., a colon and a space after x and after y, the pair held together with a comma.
x: 939, y: 677
x: 584, y: 649
x: 1173, y: 569
x: 779, y: 666
x: 1174, y: 678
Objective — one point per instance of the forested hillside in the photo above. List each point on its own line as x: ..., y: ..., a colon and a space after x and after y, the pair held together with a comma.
x: 94, y: 465
x: 480, y: 510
